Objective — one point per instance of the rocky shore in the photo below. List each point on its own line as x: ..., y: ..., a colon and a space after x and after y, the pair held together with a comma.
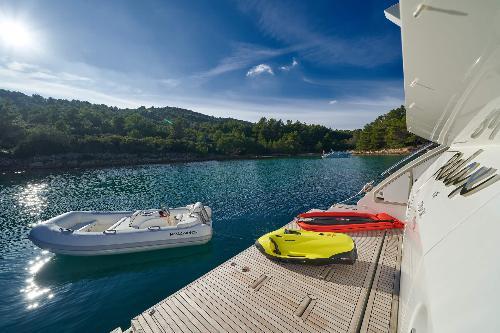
x: 386, y: 151
x: 77, y: 161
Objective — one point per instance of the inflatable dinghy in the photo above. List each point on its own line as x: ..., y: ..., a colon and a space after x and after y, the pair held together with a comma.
x: 325, y: 221
x: 84, y: 233
x: 307, y: 247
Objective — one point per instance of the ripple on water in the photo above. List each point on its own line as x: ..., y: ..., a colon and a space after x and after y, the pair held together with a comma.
x: 42, y: 292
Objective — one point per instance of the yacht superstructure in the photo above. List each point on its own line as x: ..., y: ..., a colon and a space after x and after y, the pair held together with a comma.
x: 450, y: 270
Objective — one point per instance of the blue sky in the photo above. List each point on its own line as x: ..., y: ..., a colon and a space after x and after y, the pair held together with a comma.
x: 336, y: 63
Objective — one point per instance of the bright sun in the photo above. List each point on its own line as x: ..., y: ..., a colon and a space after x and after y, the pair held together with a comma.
x: 15, y: 34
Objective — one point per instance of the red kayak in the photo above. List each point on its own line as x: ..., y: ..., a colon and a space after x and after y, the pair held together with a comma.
x: 347, y: 221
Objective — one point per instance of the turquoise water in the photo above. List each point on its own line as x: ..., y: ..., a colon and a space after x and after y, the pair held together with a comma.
x: 40, y: 292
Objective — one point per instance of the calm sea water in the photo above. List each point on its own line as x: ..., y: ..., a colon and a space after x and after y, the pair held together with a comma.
x: 40, y: 292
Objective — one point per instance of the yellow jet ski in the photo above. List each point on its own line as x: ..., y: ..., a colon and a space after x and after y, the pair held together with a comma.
x: 308, y: 247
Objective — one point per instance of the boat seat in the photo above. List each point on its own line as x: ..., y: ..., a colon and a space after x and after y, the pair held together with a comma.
x: 172, y: 220
x: 188, y: 222
x: 122, y: 224
x: 88, y: 227
x: 153, y: 222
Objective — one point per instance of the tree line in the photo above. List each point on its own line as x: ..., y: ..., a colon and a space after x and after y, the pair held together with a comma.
x: 33, y: 125
x: 387, y: 131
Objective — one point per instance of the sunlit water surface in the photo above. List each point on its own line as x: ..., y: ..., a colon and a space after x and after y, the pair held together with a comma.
x: 40, y: 292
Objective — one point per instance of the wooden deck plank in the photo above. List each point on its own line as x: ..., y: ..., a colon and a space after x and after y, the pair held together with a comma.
x: 276, y: 286
x: 145, y: 325
x: 268, y: 300
x: 152, y: 323
x: 305, y: 286
x: 207, y: 317
x: 135, y: 325
x: 171, y: 314
x: 221, y: 312
x: 346, y: 297
x: 240, y: 311
x: 234, y: 314
x: 216, y: 312
x: 161, y: 322
x: 382, y: 304
x: 166, y: 318
x: 254, y: 304
x: 194, y: 317
x: 190, y: 324
x: 338, y: 287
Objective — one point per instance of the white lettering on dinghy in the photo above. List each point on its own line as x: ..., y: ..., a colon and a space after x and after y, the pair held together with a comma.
x: 182, y: 233
x: 466, y: 178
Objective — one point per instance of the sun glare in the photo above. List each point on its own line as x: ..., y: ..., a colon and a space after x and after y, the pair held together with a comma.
x: 15, y: 34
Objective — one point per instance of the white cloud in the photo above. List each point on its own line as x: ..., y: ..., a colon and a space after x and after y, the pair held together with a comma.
x: 333, y: 101
x: 36, y: 72
x: 20, y: 66
x: 97, y: 85
x: 242, y: 56
x: 260, y: 69
x: 287, y: 68
x: 104, y: 86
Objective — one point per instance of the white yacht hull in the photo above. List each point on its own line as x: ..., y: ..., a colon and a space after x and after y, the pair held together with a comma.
x: 449, y: 269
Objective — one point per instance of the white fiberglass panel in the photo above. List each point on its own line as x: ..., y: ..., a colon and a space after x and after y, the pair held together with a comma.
x: 451, y: 60
x: 450, y: 246
x: 398, y: 190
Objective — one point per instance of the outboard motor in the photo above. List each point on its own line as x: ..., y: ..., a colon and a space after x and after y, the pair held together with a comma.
x: 199, y: 209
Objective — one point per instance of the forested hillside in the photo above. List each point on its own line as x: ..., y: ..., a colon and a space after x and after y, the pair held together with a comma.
x: 37, y: 126
x: 387, y: 131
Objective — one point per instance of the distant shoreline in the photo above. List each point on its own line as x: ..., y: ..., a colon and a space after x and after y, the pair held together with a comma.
x: 385, y: 151
x: 89, y: 161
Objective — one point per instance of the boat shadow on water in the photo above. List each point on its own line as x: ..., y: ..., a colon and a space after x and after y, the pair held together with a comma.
x: 63, y: 269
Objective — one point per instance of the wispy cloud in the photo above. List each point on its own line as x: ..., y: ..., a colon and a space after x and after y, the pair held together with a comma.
x: 287, y: 68
x: 243, y: 56
x: 171, y: 83
x: 98, y: 85
x: 357, y: 87
x: 36, y: 72
x: 260, y: 69
x: 346, y: 115
x: 287, y: 24
x: 352, y: 112
x: 365, y: 100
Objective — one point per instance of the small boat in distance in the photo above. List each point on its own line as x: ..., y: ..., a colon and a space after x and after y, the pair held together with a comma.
x: 336, y: 154
x: 91, y: 233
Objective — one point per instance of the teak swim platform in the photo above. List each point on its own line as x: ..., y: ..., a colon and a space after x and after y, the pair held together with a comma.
x: 250, y: 293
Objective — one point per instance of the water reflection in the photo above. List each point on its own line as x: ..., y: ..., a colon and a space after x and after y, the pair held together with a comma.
x: 249, y: 198
x: 32, y: 198
x: 34, y: 293
x: 66, y: 269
